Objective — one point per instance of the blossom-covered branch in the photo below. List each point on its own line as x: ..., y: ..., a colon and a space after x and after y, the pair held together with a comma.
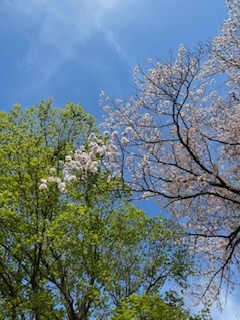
x: 180, y: 144
x: 99, y: 154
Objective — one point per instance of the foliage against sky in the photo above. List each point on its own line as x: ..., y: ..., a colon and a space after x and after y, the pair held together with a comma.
x: 73, y: 246
x: 179, y: 141
x: 34, y: 63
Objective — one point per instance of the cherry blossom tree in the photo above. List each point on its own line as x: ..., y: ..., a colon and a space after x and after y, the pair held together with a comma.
x: 178, y: 140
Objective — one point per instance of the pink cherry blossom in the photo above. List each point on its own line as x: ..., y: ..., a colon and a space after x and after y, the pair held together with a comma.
x: 181, y: 146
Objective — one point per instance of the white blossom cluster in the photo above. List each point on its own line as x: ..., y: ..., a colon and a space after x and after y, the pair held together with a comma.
x: 225, y: 50
x: 98, y: 154
x: 53, y: 179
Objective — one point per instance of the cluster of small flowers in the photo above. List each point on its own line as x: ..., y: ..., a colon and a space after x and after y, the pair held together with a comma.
x: 84, y: 161
x: 80, y: 161
x: 225, y: 48
x: 60, y: 184
x: 43, y: 184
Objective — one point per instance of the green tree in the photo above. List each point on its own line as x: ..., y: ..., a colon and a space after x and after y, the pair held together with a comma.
x: 154, y: 307
x: 32, y: 141
x: 77, y: 251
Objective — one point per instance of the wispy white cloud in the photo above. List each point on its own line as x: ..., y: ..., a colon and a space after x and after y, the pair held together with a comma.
x: 230, y: 310
x: 55, y: 34
x: 115, y: 43
x: 55, y: 29
x: 64, y: 21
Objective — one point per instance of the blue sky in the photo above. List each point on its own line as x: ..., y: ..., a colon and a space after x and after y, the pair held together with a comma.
x: 71, y: 49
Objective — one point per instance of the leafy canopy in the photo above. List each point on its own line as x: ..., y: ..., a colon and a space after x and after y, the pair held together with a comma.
x: 71, y: 244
